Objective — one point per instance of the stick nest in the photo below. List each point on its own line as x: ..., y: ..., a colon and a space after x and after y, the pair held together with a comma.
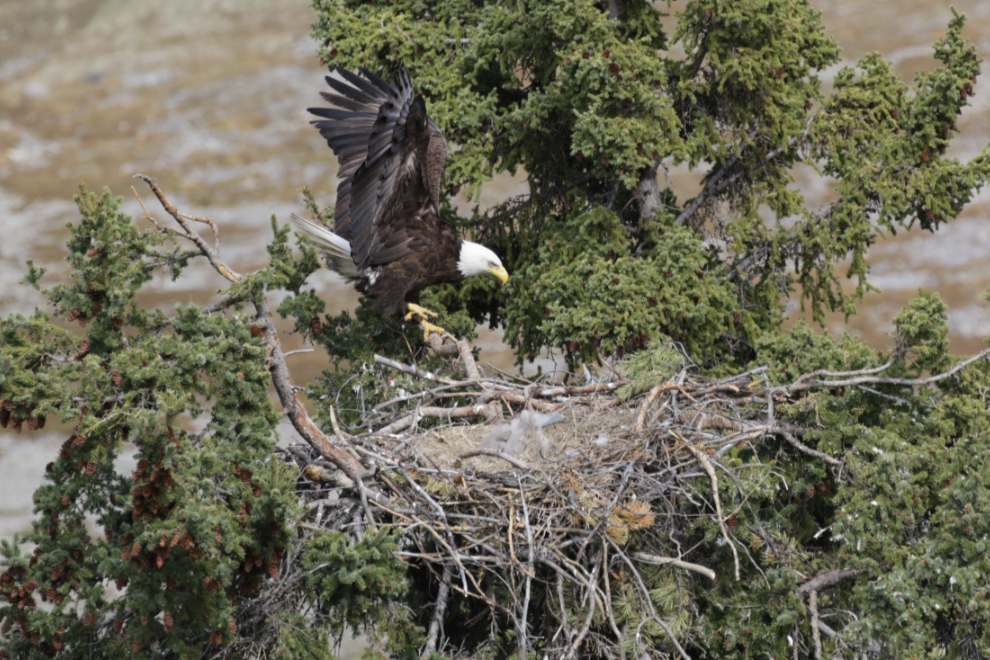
x: 587, y: 534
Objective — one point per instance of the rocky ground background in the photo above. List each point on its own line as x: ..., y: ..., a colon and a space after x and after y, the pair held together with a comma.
x: 209, y: 97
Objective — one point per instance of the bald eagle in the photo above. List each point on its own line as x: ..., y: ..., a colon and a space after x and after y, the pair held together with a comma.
x: 389, y: 238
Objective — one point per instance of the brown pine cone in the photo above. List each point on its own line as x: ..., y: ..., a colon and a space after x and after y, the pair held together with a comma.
x: 91, y: 468
x: 5, y: 628
x: 273, y: 568
x: 118, y: 625
x: 316, y: 326
x: 66, y: 501
x: 116, y: 378
x: 90, y: 618
x: 50, y: 593
x: 136, y: 646
x: 256, y: 331
x: 809, y: 492
x: 73, y: 315
x: 41, y: 419
x: 118, y: 323
x: 232, y: 627
x: 733, y: 522
x: 246, y: 476
x: 121, y: 582
x: 57, y: 643
x: 168, y: 622
x: 216, y: 637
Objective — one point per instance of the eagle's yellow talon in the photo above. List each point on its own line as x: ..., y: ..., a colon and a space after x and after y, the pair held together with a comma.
x: 422, y: 312
x: 428, y: 328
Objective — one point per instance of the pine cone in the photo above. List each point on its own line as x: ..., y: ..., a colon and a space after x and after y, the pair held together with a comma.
x: 91, y: 468
x: 118, y: 323
x: 116, y: 378
x: 57, y: 573
x: 108, y: 534
x: 61, y: 628
x: 66, y: 501
x: 121, y: 582
x: 809, y: 492
x: 232, y: 627
x: 57, y: 643
x: 273, y: 568
x: 73, y: 315
x: 168, y: 622
x: 733, y: 521
x: 54, y: 517
x: 246, y: 476
x: 32, y: 423
x: 90, y: 618
x: 118, y: 625
x: 15, y: 422
x: 216, y: 637
x: 136, y: 646
x: 50, y: 593
x: 316, y: 326
x: 256, y: 331
x: 5, y: 628
x: 4, y: 417
x: 97, y: 309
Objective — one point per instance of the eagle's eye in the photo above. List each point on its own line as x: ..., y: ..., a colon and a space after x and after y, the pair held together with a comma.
x: 491, y: 264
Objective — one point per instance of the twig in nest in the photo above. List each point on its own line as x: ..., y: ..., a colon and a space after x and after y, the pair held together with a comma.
x: 438, y: 611
x: 494, y: 454
x: 648, y: 401
x: 705, y: 463
x: 794, y: 442
x: 647, y: 558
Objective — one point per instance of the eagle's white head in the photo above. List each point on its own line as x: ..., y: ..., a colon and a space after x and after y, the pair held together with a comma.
x: 476, y: 259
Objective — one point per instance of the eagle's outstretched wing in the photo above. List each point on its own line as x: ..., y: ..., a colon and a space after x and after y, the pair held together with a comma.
x: 382, y: 137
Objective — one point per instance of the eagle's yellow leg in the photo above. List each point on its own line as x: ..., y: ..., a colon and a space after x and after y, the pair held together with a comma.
x: 424, y: 314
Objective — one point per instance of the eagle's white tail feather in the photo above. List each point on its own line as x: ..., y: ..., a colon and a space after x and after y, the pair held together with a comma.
x: 337, y: 248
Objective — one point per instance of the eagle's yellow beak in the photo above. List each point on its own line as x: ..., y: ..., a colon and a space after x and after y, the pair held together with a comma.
x: 501, y: 273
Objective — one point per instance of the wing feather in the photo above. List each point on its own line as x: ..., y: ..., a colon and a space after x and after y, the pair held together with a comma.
x: 381, y: 135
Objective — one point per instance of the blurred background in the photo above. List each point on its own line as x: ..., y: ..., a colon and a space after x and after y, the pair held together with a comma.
x: 210, y: 97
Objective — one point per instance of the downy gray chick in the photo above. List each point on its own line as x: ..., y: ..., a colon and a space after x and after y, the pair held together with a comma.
x: 522, y: 434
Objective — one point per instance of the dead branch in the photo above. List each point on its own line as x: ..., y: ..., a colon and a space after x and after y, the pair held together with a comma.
x: 826, y: 580
x: 281, y: 378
